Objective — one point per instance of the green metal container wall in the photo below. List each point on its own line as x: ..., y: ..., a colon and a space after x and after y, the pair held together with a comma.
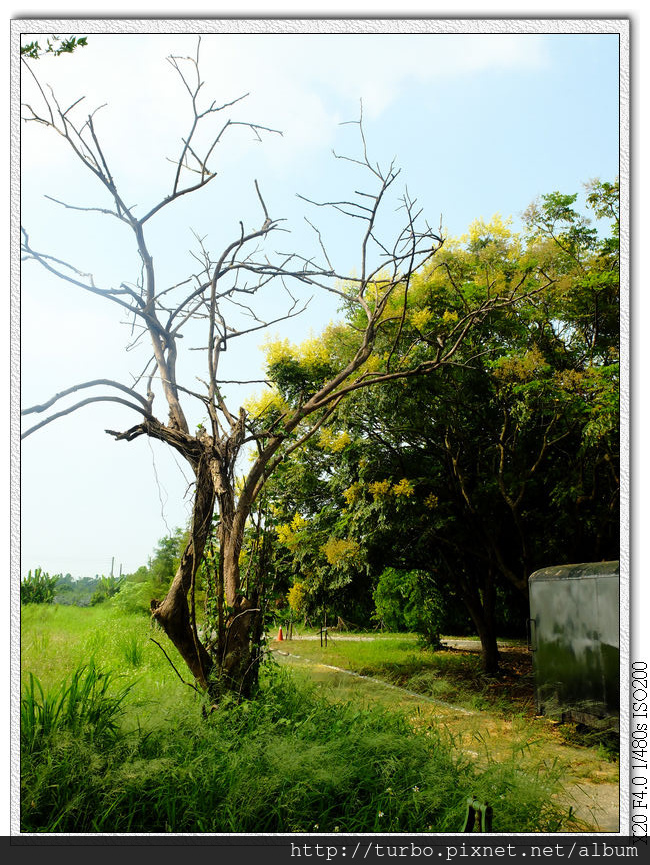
x: 575, y: 628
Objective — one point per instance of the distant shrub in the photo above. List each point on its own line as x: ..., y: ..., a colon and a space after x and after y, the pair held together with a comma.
x: 38, y: 588
x: 135, y: 597
x: 408, y: 601
x: 107, y: 587
x: 413, y: 601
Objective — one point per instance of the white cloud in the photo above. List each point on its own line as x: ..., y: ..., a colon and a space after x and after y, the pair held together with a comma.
x: 304, y: 84
x: 378, y: 68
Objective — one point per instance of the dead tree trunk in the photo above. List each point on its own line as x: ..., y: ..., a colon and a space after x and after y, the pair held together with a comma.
x: 176, y: 612
x: 236, y: 666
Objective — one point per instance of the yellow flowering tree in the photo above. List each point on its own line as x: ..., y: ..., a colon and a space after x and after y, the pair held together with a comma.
x: 508, y: 460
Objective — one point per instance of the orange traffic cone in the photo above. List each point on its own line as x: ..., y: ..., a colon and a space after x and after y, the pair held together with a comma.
x: 280, y: 637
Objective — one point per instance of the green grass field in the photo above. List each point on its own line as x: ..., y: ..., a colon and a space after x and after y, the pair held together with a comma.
x: 113, y: 741
x: 450, y: 676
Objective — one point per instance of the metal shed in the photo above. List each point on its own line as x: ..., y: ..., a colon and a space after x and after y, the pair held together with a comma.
x: 574, y: 638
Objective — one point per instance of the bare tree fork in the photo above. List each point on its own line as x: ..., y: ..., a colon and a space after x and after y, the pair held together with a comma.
x: 220, y: 297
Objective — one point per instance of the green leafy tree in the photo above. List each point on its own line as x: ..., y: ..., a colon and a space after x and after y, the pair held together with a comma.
x: 516, y: 455
x: 166, y: 557
x: 506, y: 461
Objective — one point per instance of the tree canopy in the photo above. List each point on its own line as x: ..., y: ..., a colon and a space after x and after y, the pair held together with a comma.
x: 504, y: 462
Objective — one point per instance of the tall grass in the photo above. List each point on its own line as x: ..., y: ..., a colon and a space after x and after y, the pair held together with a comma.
x: 121, y: 745
x: 132, y: 649
x: 81, y: 706
x: 57, y: 639
x: 288, y: 762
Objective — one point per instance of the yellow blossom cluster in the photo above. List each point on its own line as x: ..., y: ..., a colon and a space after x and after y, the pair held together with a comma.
x: 311, y: 351
x: 353, y: 493
x: 449, y: 316
x: 520, y: 369
x: 340, y: 550
x: 421, y: 318
x: 277, y: 349
x: 287, y: 533
x: 270, y: 401
x: 332, y: 443
x: 373, y: 364
x: 431, y: 501
x: 497, y: 228
x: 379, y: 489
x: 403, y: 488
x: 296, y: 596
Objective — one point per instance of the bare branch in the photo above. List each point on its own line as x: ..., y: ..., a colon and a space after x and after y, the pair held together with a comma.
x: 109, y: 293
x: 103, y: 210
x: 84, y: 402
x: 189, y: 684
x: 259, y: 195
x: 96, y: 382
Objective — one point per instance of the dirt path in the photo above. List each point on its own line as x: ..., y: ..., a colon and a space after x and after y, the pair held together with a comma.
x: 591, y: 787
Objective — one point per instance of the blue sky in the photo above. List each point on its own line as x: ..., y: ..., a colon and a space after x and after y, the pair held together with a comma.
x: 479, y: 124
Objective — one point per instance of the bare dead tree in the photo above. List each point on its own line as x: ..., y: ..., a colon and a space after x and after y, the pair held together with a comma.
x: 225, y: 284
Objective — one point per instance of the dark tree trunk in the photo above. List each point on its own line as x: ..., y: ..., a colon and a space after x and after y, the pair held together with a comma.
x: 489, y: 647
x: 237, y: 665
x: 175, y: 612
x: 480, y: 606
x: 232, y: 664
